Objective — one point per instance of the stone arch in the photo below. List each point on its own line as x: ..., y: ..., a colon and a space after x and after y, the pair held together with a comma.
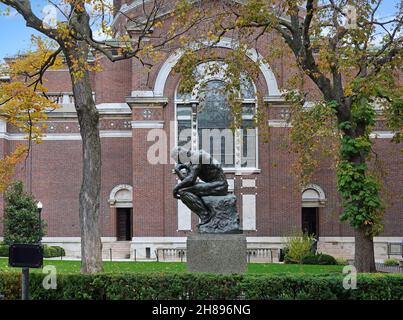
x: 313, y: 196
x: 228, y: 43
x: 121, y: 196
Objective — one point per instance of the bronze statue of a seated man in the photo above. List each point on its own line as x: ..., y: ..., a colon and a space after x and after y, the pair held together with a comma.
x: 198, y: 164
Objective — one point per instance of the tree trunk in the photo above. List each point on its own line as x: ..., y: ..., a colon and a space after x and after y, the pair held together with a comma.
x: 88, y: 118
x: 364, y: 259
x: 364, y: 256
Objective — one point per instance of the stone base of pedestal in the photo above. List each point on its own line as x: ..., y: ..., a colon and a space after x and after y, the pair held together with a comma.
x: 218, y: 253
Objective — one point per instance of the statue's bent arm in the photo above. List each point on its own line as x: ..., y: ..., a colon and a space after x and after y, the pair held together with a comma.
x: 190, y: 179
x: 178, y: 171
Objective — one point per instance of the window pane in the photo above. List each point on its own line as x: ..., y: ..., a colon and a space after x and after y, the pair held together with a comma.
x: 248, y: 144
x: 219, y: 142
x: 214, y: 119
x: 213, y: 109
x: 247, y: 88
x: 248, y: 109
x: 183, y: 96
x: 183, y: 110
x: 184, y: 133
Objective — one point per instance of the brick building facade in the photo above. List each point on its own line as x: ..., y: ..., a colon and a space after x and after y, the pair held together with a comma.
x: 139, y: 216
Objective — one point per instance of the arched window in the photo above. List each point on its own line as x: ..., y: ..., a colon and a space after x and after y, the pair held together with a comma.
x: 204, y: 119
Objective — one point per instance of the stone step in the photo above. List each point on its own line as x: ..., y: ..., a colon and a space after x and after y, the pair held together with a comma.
x: 120, y: 250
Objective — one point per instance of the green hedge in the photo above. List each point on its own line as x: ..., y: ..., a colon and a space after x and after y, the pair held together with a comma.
x: 53, y: 251
x: 391, y: 262
x: 161, y: 286
x: 3, y: 250
x: 319, y: 259
x: 48, y: 251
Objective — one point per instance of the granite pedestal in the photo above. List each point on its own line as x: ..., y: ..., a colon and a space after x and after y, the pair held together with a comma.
x: 217, y: 253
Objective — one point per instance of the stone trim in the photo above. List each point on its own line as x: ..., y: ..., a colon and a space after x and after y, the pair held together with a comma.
x: 114, y: 108
x: 351, y: 239
x: 67, y: 136
x: 142, y: 93
x: 274, y: 99
x: 166, y: 68
x: 320, y: 201
x: 382, y: 135
x: 147, y: 100
x: 3, y: 127
x: 121, y: 204
x: 147, y: 124
x: 170, y: 240
x: 158, y: 239
x: 279, y: 124
x: 72, y: 239
x: 115, y: 134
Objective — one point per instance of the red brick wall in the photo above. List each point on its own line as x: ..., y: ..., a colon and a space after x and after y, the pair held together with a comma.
x: 56, y: 181
x: 116, y: 169
x: 117, y: 73
x: 58, y: 81
x: 148, y: 189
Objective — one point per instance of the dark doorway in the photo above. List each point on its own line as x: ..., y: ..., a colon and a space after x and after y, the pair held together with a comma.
x: 124, y: 224
x: 310, y: 221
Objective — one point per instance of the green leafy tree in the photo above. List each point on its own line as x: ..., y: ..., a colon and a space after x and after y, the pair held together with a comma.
x: 73, y: 32
x: 22, y: 223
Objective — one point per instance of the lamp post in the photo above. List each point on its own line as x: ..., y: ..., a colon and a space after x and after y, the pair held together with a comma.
x: 39, y: 205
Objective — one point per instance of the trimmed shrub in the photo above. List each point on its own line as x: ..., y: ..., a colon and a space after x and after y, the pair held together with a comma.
x: 53, y: 251
x: 298, y: 247
x: 320, y: 259
x: 391, y: 262
x: 3, y: 250
x: 10, y: 285
x: 189, y: 286
x: 310, y: 259
x: 48, y: 252
x: 342, y: 262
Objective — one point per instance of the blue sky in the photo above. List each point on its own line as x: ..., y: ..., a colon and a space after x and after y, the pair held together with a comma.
x: 15, y: 36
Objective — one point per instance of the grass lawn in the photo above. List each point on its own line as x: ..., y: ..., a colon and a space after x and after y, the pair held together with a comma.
x: 114, y: 267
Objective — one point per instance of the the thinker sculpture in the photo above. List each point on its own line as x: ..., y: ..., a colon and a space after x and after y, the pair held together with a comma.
x: 208, y: 198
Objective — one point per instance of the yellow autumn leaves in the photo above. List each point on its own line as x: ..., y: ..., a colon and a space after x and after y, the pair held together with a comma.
x: 23, y: 101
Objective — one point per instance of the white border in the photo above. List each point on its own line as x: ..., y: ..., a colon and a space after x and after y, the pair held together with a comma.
x: 67, y: 136
x: 225, y: 42
x: 147, y: 124
x: 3, y: 127
x: 381, y: 135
